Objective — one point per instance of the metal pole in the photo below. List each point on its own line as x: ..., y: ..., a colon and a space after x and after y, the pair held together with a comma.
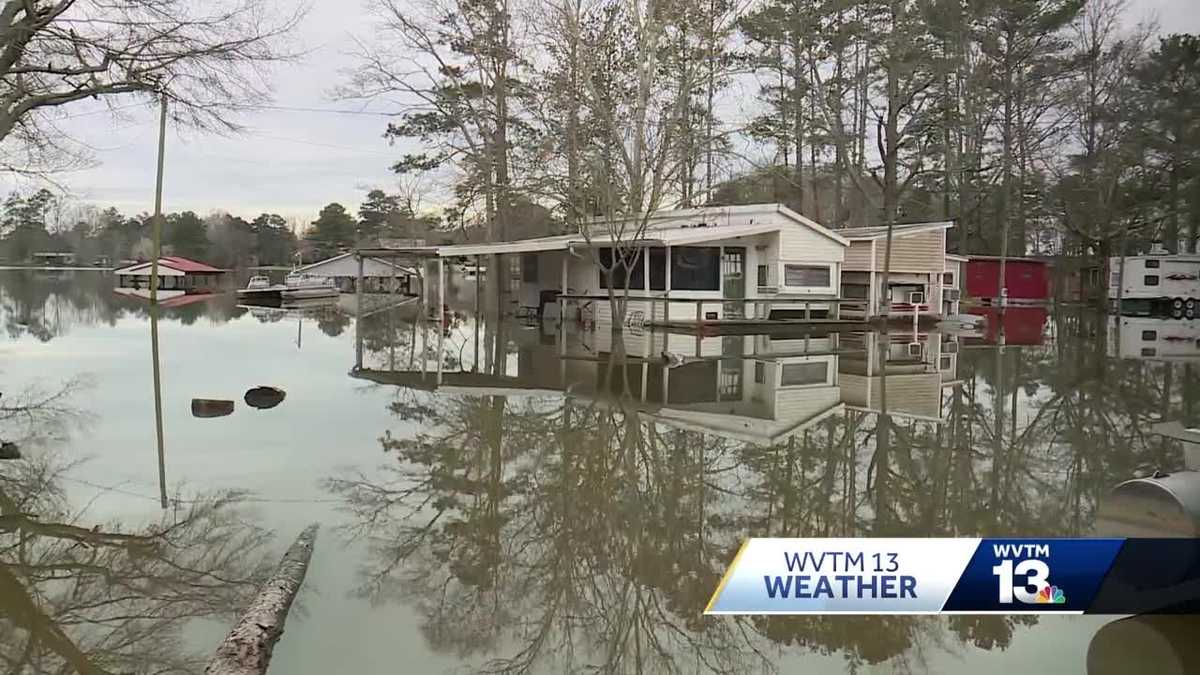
x: 358, y: 310
x: 156, y: 223
x: 156, y: 228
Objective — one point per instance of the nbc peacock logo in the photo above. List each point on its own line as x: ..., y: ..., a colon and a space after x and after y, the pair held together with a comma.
x: 1051, y: 595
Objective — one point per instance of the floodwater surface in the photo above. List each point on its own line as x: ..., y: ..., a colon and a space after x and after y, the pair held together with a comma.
x: 506, y: 498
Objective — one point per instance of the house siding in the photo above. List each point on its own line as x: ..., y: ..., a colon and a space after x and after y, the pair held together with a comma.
x: 858, y: 256
x: 923, y: 252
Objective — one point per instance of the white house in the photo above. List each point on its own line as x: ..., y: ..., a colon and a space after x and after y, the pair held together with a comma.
x: 760, y: 261
x: 379, y: 275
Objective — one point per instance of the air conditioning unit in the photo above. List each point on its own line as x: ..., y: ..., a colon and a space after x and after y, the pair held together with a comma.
x: 915, y: 349
x: 916, y: 298
x: 952, y: 295
x: 949, y: 347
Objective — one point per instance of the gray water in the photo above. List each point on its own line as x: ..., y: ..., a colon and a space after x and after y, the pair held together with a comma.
x: 504, y: 498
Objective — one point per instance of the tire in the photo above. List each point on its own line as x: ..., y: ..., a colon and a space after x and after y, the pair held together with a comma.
x: 1189, y: 313
x: 1190, y: 303
x: 1177, y: 303
x: 1176, y: 313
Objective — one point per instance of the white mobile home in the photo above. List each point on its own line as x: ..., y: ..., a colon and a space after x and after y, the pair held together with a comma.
x: 1172, y: 280
x: 758, y: 262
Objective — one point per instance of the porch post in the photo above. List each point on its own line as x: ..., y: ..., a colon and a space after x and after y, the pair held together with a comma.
x: 872, y: 289
x: 441, y: 314
x: 562, y: 306
x: 667, y: 304
x: 441, y: 271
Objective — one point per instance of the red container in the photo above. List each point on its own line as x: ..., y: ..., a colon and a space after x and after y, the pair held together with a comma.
x: 1027, y: 279
x: 1022, y: 325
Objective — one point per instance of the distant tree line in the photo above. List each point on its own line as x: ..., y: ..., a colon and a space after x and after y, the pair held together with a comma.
x: 44, y: 222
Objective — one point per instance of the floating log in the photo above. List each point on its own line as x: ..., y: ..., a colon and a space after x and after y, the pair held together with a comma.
x: 247, y: 649
x: 264, y: 398
x: 207, y: 407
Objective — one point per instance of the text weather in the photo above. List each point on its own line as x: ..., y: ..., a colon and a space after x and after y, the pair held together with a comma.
x: 840, y: 574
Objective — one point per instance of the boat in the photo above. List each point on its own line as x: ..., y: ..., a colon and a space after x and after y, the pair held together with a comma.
x: 260, y: 288
x: 307, y: 287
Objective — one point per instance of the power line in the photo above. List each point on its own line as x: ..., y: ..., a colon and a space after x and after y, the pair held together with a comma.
x: 330, y: 111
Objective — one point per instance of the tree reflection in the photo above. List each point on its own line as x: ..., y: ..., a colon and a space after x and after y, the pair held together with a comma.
x: 98, y: 600
x: 47, y: 305
x: 559, y: 533
x: 82, y: 596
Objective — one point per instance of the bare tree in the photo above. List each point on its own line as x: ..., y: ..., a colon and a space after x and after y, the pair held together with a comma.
x: 209, y: 57
x: 622, y: 169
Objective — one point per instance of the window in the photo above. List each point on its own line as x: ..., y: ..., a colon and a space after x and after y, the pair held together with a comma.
x: 1150, y: 280
x: 762, y: 276
x: 612, y: 262
x: 797, y: 374
x: 695, y: 268
x: 658, y: 269
x: 946, y: 362
x: 760, y: 372
x: 811, y: 276
x: 529, y: 268
x: 1153, y: 264
x: 1149, y: 335
x: 1149, y: 351
x: 947, y: 278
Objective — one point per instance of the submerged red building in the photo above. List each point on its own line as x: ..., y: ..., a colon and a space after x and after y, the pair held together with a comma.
x: 1027, y: 279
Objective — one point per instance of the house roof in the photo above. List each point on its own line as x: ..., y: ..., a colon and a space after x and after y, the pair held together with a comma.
x: 899, y: 230
x: 1011, y: 258
x: 311, y: 266
x: 665, y: 228
x: 172, y: 262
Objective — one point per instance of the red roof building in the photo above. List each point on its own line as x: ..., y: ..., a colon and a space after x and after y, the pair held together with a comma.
x: 174, y: 273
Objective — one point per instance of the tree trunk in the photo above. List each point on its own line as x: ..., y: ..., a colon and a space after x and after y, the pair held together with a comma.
x: 247, y: 649
x: 798, y: 113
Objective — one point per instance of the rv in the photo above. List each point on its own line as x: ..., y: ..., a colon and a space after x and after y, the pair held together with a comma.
x: 1153, y: 339
x: 1158, y: 282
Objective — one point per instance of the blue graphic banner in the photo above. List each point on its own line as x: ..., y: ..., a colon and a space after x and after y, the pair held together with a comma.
x: 961, y: 576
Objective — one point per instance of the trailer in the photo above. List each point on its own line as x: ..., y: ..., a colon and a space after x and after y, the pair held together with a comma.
x: 1153, y: 339
x: 1155, y: 284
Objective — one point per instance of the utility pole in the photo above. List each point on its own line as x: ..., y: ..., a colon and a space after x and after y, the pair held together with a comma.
x: 156, y: 228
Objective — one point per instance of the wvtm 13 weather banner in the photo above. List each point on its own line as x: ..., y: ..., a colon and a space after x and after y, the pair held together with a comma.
x: 961, y: 576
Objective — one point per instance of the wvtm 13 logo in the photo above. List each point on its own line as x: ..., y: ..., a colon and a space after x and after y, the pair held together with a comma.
x: 1022, y: 575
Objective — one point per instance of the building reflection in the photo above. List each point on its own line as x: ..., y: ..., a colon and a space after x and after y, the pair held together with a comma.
x: 754, y: 388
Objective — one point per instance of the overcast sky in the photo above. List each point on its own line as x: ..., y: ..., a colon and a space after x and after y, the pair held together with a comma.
x: 295, y: 162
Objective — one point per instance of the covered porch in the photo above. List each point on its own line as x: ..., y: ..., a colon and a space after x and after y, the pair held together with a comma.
x: 694, y: 279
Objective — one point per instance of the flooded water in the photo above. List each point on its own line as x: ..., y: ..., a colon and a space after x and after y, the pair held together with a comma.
x: 503, y: 498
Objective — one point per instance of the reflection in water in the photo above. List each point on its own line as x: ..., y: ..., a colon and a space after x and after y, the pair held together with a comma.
x: 45, y: 306
x: 566, y: 504
x: 93, y: 597
x: 567, y: 507
x: 98, y: 600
